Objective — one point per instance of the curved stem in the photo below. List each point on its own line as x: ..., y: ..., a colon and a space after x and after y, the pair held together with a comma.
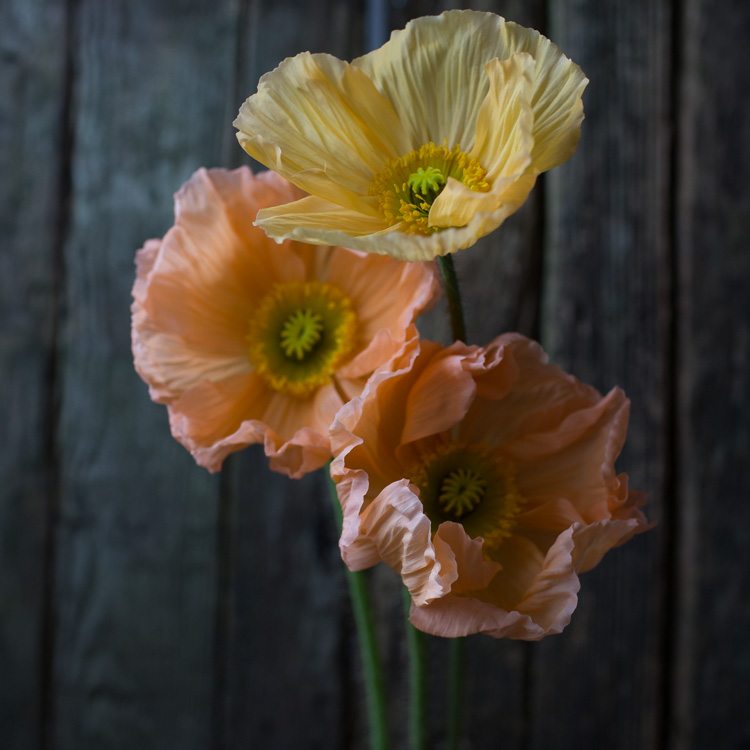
x: 368, y: 644
x: 455, y: 692
x: 455, y: 679
x: 417, y: 682
x: 453, y: 295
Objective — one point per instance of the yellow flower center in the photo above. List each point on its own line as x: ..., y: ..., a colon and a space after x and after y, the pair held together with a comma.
x: 461, y: 491
x: 300, y: 334
x: 470, y: 484
x: 409, y: 185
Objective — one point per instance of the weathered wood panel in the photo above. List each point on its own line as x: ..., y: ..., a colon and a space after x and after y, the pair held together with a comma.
x: 32, y: 79
x: 712, y: 677
x: 606, y: 319
x: 289, y: 660
x: 136, y: 568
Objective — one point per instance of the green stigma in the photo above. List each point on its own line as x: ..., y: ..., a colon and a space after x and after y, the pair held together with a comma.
x: 461, y: 491
x: 301, y: 333
x: 426, y: 182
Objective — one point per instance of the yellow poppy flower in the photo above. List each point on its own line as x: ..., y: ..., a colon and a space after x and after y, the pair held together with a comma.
x: 420, y: 147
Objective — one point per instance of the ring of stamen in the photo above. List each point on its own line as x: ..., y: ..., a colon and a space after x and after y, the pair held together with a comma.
x: 471, y: 484
x: 300, y: 333
x: 461, y: 491
x: 408, y: 186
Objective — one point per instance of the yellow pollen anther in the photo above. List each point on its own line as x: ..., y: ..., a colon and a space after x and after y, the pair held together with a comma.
x: 461, y: 491
x: 300, y: 333
x: 427, y: 182
x: 472, y: 484
x: 408, y: 186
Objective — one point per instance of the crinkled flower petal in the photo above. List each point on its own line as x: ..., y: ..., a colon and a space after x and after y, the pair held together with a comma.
x: 247, y: 341
x: 420, y: 147
x: 487, y: 474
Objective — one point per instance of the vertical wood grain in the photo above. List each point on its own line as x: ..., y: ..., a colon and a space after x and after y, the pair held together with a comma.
x: 712, y: 676
x: 290, y: 662
x: 32, y: 165
x: 136, y: 567
x: 606, y: 319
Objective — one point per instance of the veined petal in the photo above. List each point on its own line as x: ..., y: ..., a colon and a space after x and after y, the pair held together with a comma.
x: 213, y: 420
x: 309, y: 218
x: 503, y: 147
x: 393, y: 241
x: 321, y: 123
x: 393, y: 528
x: 433, y: 73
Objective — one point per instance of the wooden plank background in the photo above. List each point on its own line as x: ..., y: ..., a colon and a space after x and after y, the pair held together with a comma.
x: 146, y: 605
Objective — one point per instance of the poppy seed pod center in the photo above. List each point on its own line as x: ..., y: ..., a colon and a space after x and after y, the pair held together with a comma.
x: 300, y: 334
x: 408, y: 186
x: 472, y: 485
x: 461, y: 491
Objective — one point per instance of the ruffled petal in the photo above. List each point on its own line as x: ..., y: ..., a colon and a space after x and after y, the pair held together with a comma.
x: 433, y: 72
x: 548, y: 592
x: 503, y: 147
x: 575, y: 461
x: 393, y: 528
x: 321, y: 123
x: 440, y: 396
x: 366, y: 429
x: 310, y: 218
x: 214, y: 419
x: 458, y: 616
x: 195, y: 290
x: 475, y: 571
x: 396, y: 241
x: 536, y: 395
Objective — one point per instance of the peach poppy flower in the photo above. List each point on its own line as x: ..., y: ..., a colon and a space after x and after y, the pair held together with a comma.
x: 422, y: 146
x: 485, y: 477
x: 248, y: 341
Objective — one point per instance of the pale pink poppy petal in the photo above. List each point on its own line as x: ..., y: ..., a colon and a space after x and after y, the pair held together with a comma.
x: 428, y: 411
x: 475, y: 571
x: 213, y: 420
x: 576, y: 461
x: 393, y: 528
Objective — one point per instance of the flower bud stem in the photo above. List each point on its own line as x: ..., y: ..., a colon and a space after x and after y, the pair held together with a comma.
x: 457, y: 647
x: 368, y: 645
x: 417, y: 643
x: 453, y: 295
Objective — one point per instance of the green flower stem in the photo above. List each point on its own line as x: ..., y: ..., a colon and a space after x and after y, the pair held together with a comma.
x: 417, y: 643
x: 368, y: 645
x: 455, y: 692
x: 455, y: 678
x: 453, y: 295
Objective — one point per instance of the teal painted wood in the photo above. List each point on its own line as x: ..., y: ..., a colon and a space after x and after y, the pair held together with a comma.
x: 712, y: 662
x: 606, y: 319
x: 32, y: 79
x: 135, y: 593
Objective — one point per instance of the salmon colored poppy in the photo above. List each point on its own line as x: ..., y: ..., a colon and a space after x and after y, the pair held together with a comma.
x: 485, y: 477
x: 420, y: 147
x: 247, y: 341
